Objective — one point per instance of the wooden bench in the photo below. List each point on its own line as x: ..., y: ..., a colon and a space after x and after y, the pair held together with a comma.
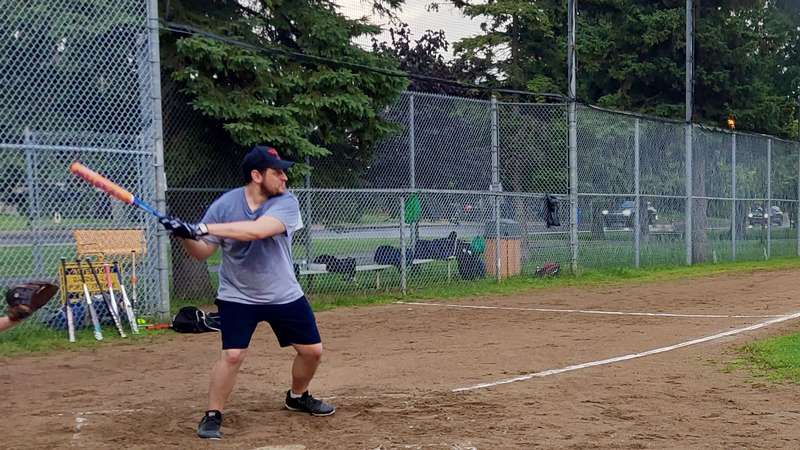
x: 319, y: 269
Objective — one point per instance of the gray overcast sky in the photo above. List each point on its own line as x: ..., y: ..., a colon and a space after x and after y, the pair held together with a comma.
x: 415, y: 14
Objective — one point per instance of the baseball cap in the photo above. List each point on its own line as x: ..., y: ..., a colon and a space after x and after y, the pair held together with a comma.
x: 262, y: 157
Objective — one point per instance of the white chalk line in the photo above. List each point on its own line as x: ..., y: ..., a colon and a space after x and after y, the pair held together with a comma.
x: 80, y: 420
x: 600, y: 312
x: 628, y: 357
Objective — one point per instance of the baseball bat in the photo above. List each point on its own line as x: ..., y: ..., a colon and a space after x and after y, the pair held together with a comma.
x: 126, y: 302
x: 134, y: 279
x: 67, y: 306
x: 108, y: 302
x: 111, y: 188
x: 70, y: 321
x: 98, y: 332
x: 110, y: 284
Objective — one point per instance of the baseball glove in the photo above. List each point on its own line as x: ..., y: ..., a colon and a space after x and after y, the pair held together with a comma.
x: 24, y: 299
x: 550, y: 269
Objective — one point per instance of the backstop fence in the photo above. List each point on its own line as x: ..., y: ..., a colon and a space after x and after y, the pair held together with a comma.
x: 464, y: 189
x: 76, y: 81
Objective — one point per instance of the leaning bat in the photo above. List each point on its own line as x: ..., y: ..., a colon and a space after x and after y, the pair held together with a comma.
x: 67, y: 307
x: 111, y: 307
x: 134, y: 279
x: 98, y: 332
x: 110, y: 284
x: 70, y: 321
x: 126, y: 302
x: 111, y: 188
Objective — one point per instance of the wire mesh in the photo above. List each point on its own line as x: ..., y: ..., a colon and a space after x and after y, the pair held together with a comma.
x: 605, y: 152
x: 662, y: 158
x: 662, y: 239
x: 533, y: 148
x: 440, y: 159
x: 76, y: 85
x: 452, y: 143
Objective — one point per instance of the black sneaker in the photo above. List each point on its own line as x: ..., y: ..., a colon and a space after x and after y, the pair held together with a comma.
x: 308, y: 404
x: 209, y: 427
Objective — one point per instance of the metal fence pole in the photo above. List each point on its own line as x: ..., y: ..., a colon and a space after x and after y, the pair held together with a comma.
x: 403, y: 244
x: 637, y: 224
x: 496, y: 185
x: 411, y: 143
x: 733, y: 196
x: 689, y: 199
x: 158, y: 159
x: 769, y: 198
x: 797, y: 206
x: 689, y: 87
x: 412, y: 155
x: 572, y: 135
x: 497, y: 250
x: 309, y: 214
x: 33, y: 203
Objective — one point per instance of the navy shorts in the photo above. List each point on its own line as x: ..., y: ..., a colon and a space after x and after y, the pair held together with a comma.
x: 292, y: 323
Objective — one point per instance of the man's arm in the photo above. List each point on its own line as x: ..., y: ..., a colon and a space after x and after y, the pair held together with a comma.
x: 248, y: 230
x: 199, y: 249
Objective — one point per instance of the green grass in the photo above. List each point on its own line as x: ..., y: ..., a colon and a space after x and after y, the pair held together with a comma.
x: 37, y: 338
x: 776, y: 359
x: 21, y: 261
x: 14, y: 222
x: 424, y: 284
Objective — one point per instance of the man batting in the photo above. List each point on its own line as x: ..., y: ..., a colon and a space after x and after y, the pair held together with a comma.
x: 254, y: 225
x: 25, y: 299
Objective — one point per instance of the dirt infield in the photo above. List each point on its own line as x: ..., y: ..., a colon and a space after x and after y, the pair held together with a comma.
x: 392, y: 371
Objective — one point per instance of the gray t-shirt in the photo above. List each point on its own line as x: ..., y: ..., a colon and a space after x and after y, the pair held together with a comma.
x: 256, y: 272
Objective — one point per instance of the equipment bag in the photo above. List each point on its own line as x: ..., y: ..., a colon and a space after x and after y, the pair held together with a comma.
x: 193, y: 320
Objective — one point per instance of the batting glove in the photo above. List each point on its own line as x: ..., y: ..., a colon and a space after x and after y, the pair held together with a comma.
x: 169, y: 222
x: 193, y: 231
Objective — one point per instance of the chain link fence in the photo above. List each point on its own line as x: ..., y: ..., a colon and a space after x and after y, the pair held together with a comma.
x: 465, y: 189
x: 76, y: 81
x: 458, y: 193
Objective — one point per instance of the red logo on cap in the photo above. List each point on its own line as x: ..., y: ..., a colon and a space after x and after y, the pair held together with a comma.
x: 273, y: 152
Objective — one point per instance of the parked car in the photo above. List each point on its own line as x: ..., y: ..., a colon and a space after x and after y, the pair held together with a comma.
x: 757, y: 216
x: 622, y: 215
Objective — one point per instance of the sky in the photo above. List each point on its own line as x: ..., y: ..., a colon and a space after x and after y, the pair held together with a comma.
x: 419, y: 19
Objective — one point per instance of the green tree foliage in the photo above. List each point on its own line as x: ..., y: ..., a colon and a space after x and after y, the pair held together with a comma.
x: 303, y: 106
x: 631, y: 55
x: 522, y: 45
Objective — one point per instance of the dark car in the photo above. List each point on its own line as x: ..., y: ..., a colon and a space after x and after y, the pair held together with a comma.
x: 757, y: 216
x: 622, y: 215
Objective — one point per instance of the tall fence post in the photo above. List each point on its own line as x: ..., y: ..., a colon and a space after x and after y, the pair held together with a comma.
x: 689, y: 88
x: 572, y: 135
x: 34, y: 214
x: 497, y: 241
x: 403, y: 267
x: 637, y: 224
x: 158, y: 159
x: 769, y: 198
x: 797, y: 206
x: 733, y: 196
x: 309, y: 219
x: 689, y: 198
x: 412, y: 156
x: 496, y: 187
x: 412, y: 150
